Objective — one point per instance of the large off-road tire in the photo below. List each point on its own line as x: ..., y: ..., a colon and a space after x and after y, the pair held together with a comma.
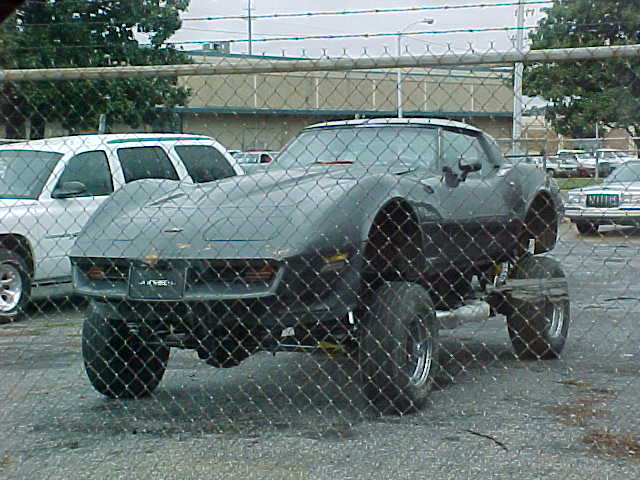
x: 118, y: 363
x: 15, y: 286
x: 587, y: 228
x: 398, y: 348
x: 538, y: 330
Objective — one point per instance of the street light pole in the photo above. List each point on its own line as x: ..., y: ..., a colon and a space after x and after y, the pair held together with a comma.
x: 517, y: 83
x: 399, y: 78
x: 249, y: 26
x: 399, y: 71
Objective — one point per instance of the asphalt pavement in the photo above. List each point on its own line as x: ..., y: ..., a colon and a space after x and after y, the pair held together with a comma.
x: 300, y: 416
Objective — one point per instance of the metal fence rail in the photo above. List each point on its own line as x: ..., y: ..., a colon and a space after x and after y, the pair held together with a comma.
x: 392, y: 272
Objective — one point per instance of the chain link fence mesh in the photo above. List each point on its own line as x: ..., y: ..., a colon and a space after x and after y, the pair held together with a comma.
x: 424, y: 265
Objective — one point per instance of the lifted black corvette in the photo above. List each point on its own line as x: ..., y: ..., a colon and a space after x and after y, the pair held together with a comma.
x: 374, y: 233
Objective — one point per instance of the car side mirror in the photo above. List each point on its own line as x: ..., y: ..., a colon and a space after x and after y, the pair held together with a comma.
x: 467, y: 168
x: 69, y: 190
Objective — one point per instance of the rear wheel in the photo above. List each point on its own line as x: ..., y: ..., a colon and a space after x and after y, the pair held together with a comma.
x: 118, y: 363
x: 538, y: 328
x: 15, y: 286
x: 399, y: 348
x: 587, y: 228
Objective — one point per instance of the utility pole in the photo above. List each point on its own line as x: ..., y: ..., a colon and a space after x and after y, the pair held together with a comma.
x: 517, y: 82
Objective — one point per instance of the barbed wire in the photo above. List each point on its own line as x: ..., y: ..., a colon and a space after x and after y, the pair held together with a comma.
x: 359, y: 35
x: 371, y: 10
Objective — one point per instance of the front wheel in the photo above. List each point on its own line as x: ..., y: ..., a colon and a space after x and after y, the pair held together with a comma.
x: 118, y: 363
x: 15, y: 286
x: 399, y: 348
x: 538, y: 328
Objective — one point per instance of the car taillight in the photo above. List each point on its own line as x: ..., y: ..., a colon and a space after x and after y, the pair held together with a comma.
x: 259, y: 274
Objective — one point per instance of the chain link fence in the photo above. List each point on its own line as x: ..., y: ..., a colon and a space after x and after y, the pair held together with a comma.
x: 379, y: 251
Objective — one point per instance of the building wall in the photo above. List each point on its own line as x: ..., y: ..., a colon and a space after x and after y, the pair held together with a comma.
x: 263, y: 111
x: 272, y: 132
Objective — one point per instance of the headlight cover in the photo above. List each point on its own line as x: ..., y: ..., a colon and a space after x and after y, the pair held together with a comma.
x: 576, y: 199
x: 630, y: 198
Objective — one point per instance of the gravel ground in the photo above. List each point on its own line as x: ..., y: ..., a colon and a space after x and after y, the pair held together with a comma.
x: 296, y: 416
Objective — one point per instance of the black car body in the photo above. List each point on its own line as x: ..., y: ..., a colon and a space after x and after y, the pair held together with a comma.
x: 266, y: 261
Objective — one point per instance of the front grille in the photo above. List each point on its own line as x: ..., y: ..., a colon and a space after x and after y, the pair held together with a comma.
x: 173, y: 279
x: 603, y: 201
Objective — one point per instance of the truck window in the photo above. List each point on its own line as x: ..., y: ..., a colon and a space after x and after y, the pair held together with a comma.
x: 146, y: 162
x: 92, y: 169
x: 204, y: 163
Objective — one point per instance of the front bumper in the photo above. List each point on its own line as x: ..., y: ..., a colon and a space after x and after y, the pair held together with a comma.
x: 604, y: 216
x: 301, y: 292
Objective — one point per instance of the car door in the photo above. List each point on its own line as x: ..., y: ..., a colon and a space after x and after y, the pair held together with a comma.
x: 473, y: 197
x: 66, y: 216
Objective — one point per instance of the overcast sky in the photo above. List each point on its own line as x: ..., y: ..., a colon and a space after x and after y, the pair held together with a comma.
x: 369, y: 23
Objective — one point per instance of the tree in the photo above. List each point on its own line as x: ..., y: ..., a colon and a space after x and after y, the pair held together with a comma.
x: 94, y: 33
x: 584, y: 94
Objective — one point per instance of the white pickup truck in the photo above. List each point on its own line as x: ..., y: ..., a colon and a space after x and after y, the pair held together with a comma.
x: 49, y: 189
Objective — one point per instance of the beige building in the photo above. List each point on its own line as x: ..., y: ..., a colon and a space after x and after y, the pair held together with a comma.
x: 263, y: 111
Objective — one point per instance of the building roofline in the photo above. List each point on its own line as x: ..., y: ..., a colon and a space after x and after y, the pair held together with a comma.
x: 334, y: 112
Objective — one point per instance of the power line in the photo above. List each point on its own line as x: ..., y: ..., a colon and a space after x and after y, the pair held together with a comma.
x: 318, y: 14
x: 302, y: 37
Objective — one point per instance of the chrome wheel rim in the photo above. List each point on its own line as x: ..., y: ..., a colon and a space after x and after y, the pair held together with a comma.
x: 420, y: 353
x: 556, y: 320
x: 10, y: 287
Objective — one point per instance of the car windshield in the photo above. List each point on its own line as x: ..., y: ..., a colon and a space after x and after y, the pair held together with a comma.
x: 387, y: 146
x: 23, y: 173
x: 629, y: 172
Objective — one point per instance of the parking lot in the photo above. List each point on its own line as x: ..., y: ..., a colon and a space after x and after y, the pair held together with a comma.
x: 303, y: 416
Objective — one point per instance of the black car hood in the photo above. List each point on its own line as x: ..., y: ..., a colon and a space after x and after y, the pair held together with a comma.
x: 266, y: 215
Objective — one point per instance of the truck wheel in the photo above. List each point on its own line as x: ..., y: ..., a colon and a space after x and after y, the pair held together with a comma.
x: 538, y: 329
x: 399, y: 348
x: 15, y: 286
x: 118, y: 363
x: 587, y: 228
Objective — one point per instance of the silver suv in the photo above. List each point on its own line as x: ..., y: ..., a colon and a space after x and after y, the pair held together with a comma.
x: 49, y: 189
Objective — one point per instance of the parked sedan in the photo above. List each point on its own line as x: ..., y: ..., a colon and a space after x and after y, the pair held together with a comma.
x: 566, y: 163
x: 255, y: 160
x: 614, y: 202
